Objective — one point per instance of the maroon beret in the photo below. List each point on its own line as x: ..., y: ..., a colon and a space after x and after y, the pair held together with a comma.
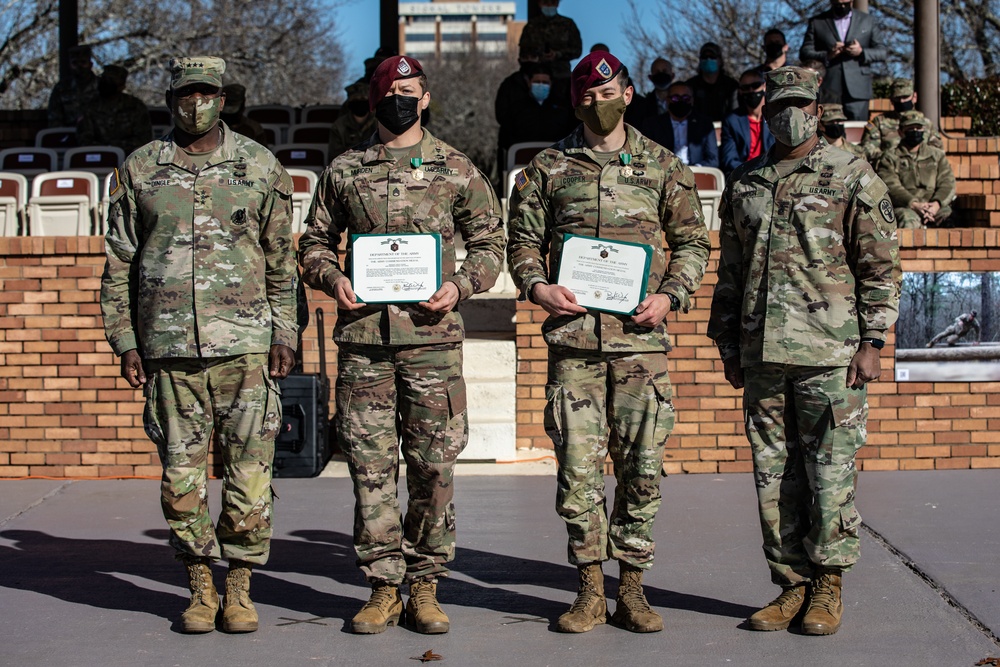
x: 596, y: 69
x: 390, y: 69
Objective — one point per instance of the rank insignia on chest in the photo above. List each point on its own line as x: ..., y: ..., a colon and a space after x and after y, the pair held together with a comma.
x: 239, y: 217
x: 885, y: 208
x: 521, y: 180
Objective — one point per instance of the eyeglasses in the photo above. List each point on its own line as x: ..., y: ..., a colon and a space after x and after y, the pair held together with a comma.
x: 206, y: 90
x: 750, y: 87
x: 680, y: 98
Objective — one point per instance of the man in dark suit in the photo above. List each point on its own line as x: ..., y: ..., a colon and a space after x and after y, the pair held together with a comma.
x: 683, y: 130
x: 745, y: 135
x: 848, y: 42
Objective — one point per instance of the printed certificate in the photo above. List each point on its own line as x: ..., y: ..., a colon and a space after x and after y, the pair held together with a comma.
x: 603, y: 274
x: 395, y: 268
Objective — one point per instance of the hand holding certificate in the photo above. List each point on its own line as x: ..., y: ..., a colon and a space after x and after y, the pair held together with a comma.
x: 604, y: 274
x: 395, y: 268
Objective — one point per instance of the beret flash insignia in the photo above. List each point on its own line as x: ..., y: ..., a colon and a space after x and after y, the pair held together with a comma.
x: 403, y: 67
x: 604, y: 69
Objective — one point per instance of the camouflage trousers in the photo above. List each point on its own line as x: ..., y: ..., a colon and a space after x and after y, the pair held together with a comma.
x: 804, y: 429
x: 409, y: 397
x: 234, y: 397
x: 907, y: 218
x: 599, y: 402
x: 951, y: 336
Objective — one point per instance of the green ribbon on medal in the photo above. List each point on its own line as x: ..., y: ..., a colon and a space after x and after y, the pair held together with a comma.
x: 626, y: 159
x: 418, y: 173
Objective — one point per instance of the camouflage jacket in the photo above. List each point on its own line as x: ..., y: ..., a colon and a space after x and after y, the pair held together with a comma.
x: 558, y: 34
x: 809, y: 262
x: 567, y: 191
x: 924, y: 175
x: 200, y: 264
x: 366, y: 191
x: 854, y: 149
x: 882, y: 134
x: 69, y: 100
x: 346, y: 133
x: 122, y: 122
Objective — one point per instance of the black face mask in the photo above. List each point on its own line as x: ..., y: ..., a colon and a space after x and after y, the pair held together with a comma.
x: 661, y: 79
x: 773, y: 50
x: 834, y: 130
x: 358, y: 107
x: 900, y: 107
x: 841, y: 9
x: 913, y: 138
x: 397, y: 113
x: 751, y: 100
x: 680, y: 109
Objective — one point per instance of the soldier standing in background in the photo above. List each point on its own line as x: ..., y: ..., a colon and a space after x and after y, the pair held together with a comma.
x: 962, y: 325
x: 882, y: 133
x: 198, y: 296
x: 608, y: 387
x: 831, y: 126
x: 399, y: 366
x: 557, y: 39
x: 808, y: 286
x: 233, y: 115
x: 355, y: 124
x: 69, y: 99
x: 115, y: 118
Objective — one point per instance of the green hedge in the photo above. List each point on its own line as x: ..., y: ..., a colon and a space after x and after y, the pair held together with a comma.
x: 977, y: 98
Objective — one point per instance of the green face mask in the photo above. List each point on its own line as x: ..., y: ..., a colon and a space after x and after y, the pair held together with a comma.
x: 602, y: 116
x: 793, y: 126
x: 196, y: 115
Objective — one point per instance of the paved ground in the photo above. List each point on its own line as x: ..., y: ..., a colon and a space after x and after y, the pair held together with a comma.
x: 86, y: 579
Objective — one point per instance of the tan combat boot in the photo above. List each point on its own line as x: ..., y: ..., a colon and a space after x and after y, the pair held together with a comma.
x: 590, y: 608
x: 382, y: 610
x: 632, y: 611
x: 200, y: 615
x: 423, y: 610
x: 825, y: 605
x: 779, y: 612
x: 239, y: 614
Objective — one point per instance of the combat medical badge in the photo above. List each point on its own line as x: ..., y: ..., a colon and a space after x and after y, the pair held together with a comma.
x: 885, y: 208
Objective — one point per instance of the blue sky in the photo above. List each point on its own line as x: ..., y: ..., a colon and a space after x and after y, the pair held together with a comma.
x: 357, y: 23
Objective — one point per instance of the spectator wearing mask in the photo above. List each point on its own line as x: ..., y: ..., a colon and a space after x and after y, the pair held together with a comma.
x: 745, y: 135
x: 356, y: 124
x: 682, y: 130
x: 233, y: 114
x: 714, y: 90
x: 882, y: 132
x: 848, y: 42
x: 831, y: 127
x: 775, y: 51
x: 920, y: 180
x: 115, y: 118
x: 557, y: 39
x: 661, y: 75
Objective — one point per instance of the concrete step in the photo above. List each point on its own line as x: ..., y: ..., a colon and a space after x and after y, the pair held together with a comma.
x: 490, y: 366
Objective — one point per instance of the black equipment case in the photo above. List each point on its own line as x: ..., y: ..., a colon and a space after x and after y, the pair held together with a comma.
x: 303, y: 445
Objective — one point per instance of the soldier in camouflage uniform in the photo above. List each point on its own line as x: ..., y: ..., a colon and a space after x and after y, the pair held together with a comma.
x: 198, y: 296
x: 355, y: 124
x: 608, y: 388
x: 831, y: 126
x: 115, y: 118
x: 69, y: 99
x: 960, y: 328
x: 882, y: 133
x: 557, y: 39
x: 808, y: 286
x: 919, y: 177
x: 233, y: 115
x: 400, y: 364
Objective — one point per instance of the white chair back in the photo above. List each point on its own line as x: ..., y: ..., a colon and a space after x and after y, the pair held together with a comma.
x: 64, y: 203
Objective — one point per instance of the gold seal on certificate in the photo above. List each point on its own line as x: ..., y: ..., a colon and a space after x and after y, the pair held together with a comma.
x: 604, y: 274
x: 395, y: 268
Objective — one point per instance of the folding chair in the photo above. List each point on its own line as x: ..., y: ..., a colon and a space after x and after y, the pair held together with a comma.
x: 304, y: 182
x: 309, y: 133
x: 854, y: 130
x: 522, y: 153
x: 29, y: 161
x: 101, y: 160
x: 63, y: 203
x: 321, y: 113
x: 58, y: 138
x: 274, y: 114
x: 301, y: 156
x: 710, y: 183
x: 13, y: 195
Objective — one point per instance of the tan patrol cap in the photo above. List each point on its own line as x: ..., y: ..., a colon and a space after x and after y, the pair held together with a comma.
x: 833, y: 113
x: 912, y: 118
x: 791, y: 82
x: 901, y: 88
x: 197, y: 69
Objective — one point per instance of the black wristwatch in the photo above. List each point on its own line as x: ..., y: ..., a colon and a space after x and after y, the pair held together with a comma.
x: 874, y: 342
x: 675, y: 303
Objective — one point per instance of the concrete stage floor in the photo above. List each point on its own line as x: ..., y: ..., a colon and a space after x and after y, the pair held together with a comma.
x: 86, y: 578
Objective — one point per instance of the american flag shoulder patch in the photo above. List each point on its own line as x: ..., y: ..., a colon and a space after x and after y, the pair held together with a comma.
x: 521, y: 180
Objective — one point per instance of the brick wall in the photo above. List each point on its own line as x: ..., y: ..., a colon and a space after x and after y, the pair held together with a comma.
x: 911, y: 426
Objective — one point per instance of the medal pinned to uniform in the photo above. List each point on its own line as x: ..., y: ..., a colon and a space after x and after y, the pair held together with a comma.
x: 418, y: 173
x: 626, y: 159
